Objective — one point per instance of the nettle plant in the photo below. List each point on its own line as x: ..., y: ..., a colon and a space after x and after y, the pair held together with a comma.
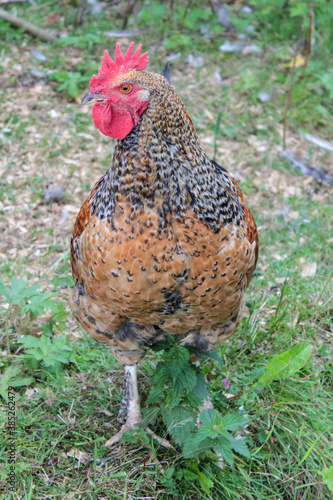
x: 23, y: 304
x: 177, y: 398
x: 33, y: 315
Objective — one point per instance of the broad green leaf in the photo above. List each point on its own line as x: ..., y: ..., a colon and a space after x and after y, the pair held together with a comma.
x: 189, y: 475
x: 234, y: 421
x: 217, y: 419
x: 59, y: 314
x: 156, y: 393
x: 39, y: 303
x: 11, y: 377
x: 160, y: 376
x: 185, y: 381
x: 192, y: 399
x: 208, y: 416
x: 212, y: 355
x: 173, y: 398
x: 169, y: 472
x: 20, y: 292
x: 194, y: 445
x: 286, y: 363
x: 73, y: 88
x: 206, y: 483
x: 201, y: 388
x: 176, y: 372
x: 3, y: 289
x: 176, y: 361
x: 150, y: 414
x: 177, y: 40
x: 29, y: 341
x: 240, y: 446
x: 52, y: 353
x: 327, y: 475
x: 16, y: 287
x: 207, y: 431
x: 180, y: 422
x: 224, y: 449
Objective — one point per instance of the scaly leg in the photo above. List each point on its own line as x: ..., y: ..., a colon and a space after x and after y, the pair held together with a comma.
x: 130, y: 405
x: 130, y: 408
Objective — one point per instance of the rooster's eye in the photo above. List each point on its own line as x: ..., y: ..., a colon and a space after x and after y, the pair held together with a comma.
x: 126, y: 88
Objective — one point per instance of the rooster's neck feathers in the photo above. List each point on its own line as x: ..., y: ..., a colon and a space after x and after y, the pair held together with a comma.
x: 161, y: 164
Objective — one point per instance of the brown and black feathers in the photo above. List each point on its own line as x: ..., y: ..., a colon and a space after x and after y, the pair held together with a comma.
x: 165, y: 242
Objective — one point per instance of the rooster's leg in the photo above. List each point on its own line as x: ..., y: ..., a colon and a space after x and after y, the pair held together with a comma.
x: 130, y: 411
x: 124, y: 405
x: 130, y: 405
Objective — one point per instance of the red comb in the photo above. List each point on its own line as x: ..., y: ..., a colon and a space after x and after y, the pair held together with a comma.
x: 110, y: 69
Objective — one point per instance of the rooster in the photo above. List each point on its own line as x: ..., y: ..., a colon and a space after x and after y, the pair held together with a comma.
x: 165, y: 242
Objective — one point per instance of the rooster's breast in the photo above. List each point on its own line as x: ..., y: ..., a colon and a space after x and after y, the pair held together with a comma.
x: 180, y: 278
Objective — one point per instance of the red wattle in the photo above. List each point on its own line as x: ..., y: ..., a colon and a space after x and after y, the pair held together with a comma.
x: 113, y: 122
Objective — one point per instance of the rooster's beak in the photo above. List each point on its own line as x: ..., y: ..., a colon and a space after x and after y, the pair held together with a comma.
x: 93, y: 97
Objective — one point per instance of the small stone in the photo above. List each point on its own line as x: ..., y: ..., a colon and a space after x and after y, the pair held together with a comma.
x: 53, y: 194
x: 96, y: 7
x: 251, y: 49
x: 246, y: 9
x: 250, y: 29
x: 38, y: 55
x: 53, y: 114
x: 64, y: 215
x: 173, y: 56
x: 205, y: 30
x: 231, y: 46
x: 4, y: 138
x: 124, y: 34
x: 223, y: 17
x: 264, y: 96
x: 36, y: 73
x: 196, y: 61
x: 218, y: 76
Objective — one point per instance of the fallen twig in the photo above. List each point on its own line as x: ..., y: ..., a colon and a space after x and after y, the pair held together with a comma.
x: 6, y: 2
x: 317, y: 141
x: 27, y: 26
x: 126, y: 33
x: 316, y: 173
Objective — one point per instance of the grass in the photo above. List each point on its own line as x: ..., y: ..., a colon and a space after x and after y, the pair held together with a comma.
x: 66, y: 408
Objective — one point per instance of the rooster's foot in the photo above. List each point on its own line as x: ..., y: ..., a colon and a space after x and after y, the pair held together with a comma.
x: 161, y: 441
x: 117, y: 437
x: 126, y: 427
x: 130, y: 411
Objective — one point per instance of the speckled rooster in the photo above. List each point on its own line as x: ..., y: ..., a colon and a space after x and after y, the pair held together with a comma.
x: 164, y: 243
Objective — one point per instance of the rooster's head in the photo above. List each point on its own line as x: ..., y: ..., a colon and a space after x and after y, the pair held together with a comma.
x: 119, y: 98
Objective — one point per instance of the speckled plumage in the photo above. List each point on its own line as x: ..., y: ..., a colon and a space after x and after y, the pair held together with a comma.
x: 164, y: 243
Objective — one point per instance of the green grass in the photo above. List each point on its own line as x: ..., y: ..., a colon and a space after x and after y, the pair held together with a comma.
x: 64, y: 403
